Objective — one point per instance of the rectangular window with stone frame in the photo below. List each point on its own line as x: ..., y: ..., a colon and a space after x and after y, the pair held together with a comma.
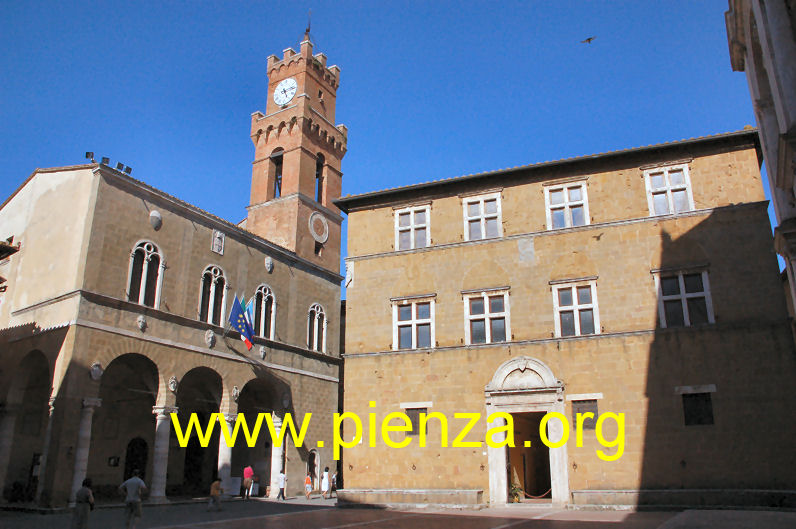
x: 575, y: 307
x: 413, y: 322
x: 697, y: 409
x: 567, y: 205
x: 412, y: 227
x: 668, y: 189
x: 683, y: 298
x: 482, y: 217
x: 414, y: 418
x: 486, y: 315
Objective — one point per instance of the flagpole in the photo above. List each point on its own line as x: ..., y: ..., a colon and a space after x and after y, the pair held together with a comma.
x: 229, y: 323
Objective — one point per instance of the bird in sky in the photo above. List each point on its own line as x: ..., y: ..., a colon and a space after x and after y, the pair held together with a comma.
x: 588, y: 41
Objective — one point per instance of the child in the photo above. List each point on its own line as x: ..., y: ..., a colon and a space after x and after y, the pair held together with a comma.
x: 215, y: 495
x: 307, y: 485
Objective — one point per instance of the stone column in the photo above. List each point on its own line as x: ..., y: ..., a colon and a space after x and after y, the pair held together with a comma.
x: 559, y: 469
x: 496, y: 459
x: 83, y: 444
x: 45, y: 452
x: 277, y: 456
x: 225, y: 457
x: 160, y: 457
x: 8, y: 420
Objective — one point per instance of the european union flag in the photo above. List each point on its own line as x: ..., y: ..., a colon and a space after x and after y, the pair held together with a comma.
x: 240, y: 323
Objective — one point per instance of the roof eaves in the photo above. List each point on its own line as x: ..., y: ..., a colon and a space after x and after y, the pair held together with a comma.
x: 345, y: 202
x: 44, y: 170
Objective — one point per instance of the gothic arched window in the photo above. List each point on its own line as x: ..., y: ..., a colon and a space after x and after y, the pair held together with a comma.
x: 316, y: 329
x: 146, y: 265
x: 211, y: 306
x: 264, y: 312
x: 319, y: 162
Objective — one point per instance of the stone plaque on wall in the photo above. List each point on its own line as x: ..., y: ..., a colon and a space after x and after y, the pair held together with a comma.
x: 585, y: 406
x: 218, y: 242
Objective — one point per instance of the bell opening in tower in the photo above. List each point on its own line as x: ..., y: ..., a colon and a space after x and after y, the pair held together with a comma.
x: 276, y: 161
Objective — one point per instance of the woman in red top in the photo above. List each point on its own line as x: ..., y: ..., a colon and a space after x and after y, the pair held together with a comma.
x: 248, y: 475
x: 307, y: 485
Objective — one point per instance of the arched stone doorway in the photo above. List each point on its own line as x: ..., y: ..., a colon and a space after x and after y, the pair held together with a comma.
x: 136, y: 458
x: 24, y: 420
x: 256, y: 397
x: 195, y: 466
x: 525, y: 385
x: 128, y: 390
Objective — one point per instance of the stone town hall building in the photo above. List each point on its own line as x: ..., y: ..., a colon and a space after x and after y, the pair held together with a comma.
x: 640, y: 281
x: 117, y: 301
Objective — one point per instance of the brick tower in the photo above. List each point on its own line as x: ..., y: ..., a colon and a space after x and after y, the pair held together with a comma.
x: 298, y: 149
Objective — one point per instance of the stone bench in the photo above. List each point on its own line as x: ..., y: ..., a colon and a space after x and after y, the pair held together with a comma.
x: 386, y: 497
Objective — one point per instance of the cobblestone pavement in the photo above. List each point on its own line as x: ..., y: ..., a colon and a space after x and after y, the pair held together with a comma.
x: 320, y: 514
x: 379, y: 519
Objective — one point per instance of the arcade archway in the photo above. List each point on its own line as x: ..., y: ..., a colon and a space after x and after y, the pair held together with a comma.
x: 128, y: 390
x: 256, y: 397
x: 193, y: 468
x: 26, y: 419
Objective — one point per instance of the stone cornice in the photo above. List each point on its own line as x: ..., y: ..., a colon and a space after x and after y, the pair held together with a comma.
x: 211, y: 352
x: 332, y: 215
x: 552, y: 233
x: 736, y: 40
x: 721, y: 328
x: 119, y: 304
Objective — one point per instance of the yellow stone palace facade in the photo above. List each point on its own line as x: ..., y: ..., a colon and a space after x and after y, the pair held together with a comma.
x: 641, y: 282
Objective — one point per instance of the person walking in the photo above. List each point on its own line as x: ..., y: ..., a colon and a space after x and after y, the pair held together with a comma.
x: 134, y: 488
x: 333, y: 485
x: 84, y: 502
x: 215, y: 495
x: 280, y: 481
x: 308, y: 485
x: 325, y: 483
x: 248, y: 479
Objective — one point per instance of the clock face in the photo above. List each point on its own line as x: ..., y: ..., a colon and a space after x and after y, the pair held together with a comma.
x: 285, y: 91
x: 319, y: 227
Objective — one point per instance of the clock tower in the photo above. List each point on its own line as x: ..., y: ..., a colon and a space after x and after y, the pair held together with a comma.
x: 298, y: 149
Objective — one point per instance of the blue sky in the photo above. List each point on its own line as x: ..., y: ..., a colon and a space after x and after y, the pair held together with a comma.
x: 428, y: 89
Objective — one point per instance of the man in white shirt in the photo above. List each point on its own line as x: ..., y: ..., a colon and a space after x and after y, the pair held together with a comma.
x: 280, y: 480
x: 133, y: 489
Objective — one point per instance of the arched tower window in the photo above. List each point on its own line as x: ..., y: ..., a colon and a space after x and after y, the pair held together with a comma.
x: 319, y: 163
x: 316, y: 329
x: 211, y: 306
x: 276, y: 166
x: 146, y: 266
x: 264, y: 312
